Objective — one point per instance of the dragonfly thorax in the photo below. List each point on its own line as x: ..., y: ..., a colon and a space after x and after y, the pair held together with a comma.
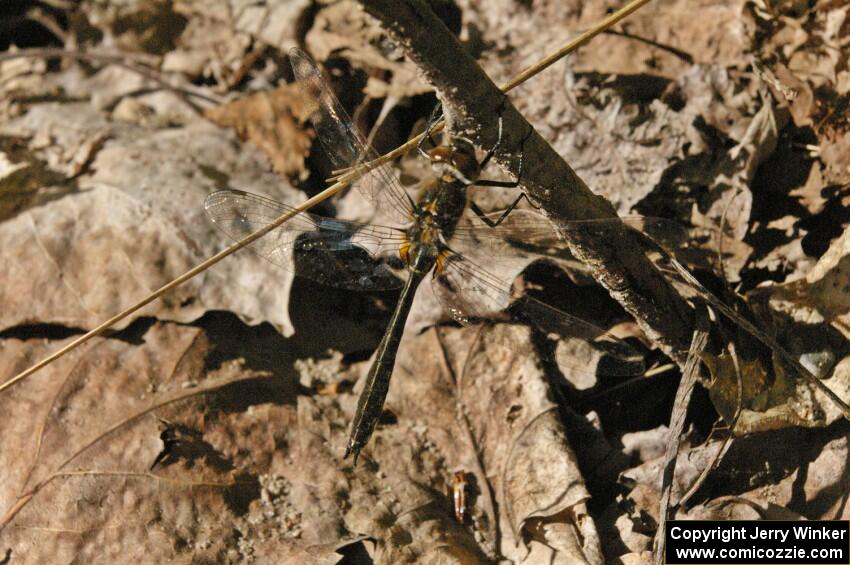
x: 455, y: 162
x: 424, y: 242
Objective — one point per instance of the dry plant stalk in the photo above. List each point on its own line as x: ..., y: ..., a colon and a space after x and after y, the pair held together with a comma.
x: 677, y: 426
x: 136, y: 63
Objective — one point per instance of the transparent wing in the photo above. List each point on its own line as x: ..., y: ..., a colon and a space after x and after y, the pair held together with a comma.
x: 468, y: 291
x: 471, y: 293
x: 344, y: 144
x: 335, y: 252
x: 531, y: 228
x: 530, y: 233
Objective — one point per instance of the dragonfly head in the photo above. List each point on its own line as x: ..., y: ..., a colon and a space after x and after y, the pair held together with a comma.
x: 455, y: 162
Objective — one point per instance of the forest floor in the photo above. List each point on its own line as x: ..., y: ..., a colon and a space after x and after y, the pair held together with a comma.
x: 209, y: 426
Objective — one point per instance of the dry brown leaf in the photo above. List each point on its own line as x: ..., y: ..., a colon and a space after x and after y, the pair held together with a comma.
x: 797, y: 94
x: 747, y: 507
x: 835, y: 153
x: 646, y: 444
x: 21, y: 79
x: 273, y: 121
x: 615, y: 528
x: 518, y: 36
x: 642, y: 558
x: 662, y: 154
x: 628, y: 525
x: 136, y: 25
x: 509, y: 441
x: 623, y: 135
x: 65, y: 139
x: 25, y: 180
x: 819, y: 66
x: 528, y: 465
x: 820, y: 301
x: 86, y: 461
x: 769, y: 400
x: 343, y: 27
x: 236, y: 461
x: 803, y: 50
x: 822, y: 295
x: 210, y: 45
x: 396, y: 495
x: 811, y: 193
x: 781, y: 475
x: 800, y: 313
x: 271, y: 21
x: 816, y: 486
x: 133, y: 225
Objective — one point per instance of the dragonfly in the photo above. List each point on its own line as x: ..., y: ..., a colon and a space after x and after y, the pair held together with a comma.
x: 440, y: 233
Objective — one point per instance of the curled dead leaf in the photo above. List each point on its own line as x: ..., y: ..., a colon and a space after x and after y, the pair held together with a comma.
x: 273, y: 121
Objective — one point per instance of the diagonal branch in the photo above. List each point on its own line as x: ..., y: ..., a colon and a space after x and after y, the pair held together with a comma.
x: 471, y: 102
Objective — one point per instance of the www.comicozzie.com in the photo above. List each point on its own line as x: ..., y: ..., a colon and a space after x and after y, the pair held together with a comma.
x: 804, y: 543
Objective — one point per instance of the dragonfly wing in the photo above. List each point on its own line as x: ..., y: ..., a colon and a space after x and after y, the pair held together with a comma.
x: 468, y: 292
x: 534, y: 231
x: 336, y: 252
x: 528, y: 233
x: 345, y: 146
x: 471, y: 293
x: 521, y: 234
x: 698, y: 247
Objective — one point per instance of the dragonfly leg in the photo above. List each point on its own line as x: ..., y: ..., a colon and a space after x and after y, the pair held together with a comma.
x: 503, y: 184
x: 493, y: 223
x: 492, y: 151
x: 435, y: 116
x: 499, y: 183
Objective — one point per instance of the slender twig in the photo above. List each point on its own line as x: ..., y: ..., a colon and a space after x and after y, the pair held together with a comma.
x: 92, y: 55
x: 48, y: 22
x: 677, y: 426
x: 66, y: 5
x: 340, y: 183
x: 683, y: 55
x: 247, y: 62
x: 727, y: 441
x: 577, y: 42
x: 128, y: 61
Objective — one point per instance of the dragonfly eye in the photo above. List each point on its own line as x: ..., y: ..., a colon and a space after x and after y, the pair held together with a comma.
x: 440, y: 154
x: 466, y: 165
x: 464, y: 160
x: 456, y: 162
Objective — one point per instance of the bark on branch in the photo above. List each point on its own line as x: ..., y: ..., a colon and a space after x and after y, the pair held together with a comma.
x: 471, y: 102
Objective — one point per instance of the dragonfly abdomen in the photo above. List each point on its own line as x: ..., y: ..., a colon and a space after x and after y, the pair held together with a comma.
x: 371, y: 401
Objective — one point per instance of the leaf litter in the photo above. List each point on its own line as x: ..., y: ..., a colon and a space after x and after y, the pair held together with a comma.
x: 95, y: 169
